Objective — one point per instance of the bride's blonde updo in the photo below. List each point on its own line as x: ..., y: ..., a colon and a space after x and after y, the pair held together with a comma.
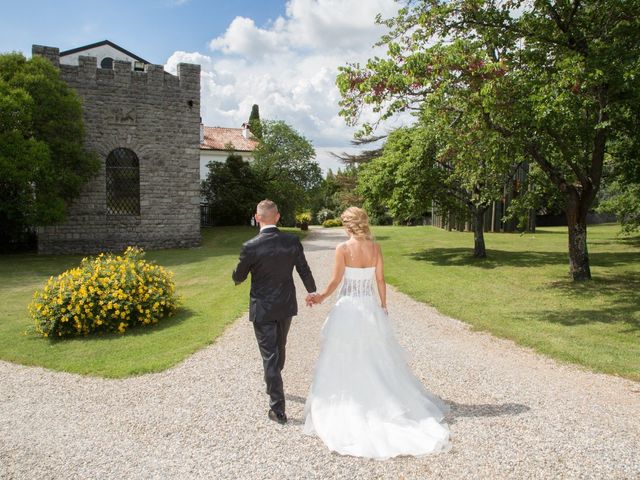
x: 356, y: 221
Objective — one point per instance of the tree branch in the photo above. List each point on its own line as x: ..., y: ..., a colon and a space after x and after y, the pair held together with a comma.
x: 552, y: 172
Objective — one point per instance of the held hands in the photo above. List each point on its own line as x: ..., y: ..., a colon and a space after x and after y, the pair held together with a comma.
x: 313, y: 298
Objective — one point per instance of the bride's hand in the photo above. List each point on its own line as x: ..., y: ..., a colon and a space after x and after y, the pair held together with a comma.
x: 385, y: 309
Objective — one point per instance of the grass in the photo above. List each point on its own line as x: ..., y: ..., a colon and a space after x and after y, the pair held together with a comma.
x: 203, y: 280
x: 522, y: 290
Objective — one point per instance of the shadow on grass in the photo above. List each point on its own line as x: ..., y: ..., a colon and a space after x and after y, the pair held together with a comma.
x: 623, y: 302
x: 460, y: 410
x: 495, y: 258
x: 498, y: 258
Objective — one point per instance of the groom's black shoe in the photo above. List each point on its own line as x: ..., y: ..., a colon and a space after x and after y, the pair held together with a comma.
x: 281, y: 418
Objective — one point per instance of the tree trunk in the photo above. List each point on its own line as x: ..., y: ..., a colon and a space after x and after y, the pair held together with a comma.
x: 479, y: 250
x: 577, y: 225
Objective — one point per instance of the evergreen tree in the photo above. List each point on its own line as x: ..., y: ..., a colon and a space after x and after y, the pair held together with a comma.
x: 254, y: 122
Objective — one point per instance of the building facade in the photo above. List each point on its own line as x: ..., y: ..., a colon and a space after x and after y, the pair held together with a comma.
x: 144, y: 126
x: 216, y: 143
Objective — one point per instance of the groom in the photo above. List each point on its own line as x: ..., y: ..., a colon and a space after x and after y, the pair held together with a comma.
x: 270, y: 257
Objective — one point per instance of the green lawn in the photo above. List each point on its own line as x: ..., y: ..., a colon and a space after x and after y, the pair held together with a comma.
x: 522, y: 290
x: 203, y: 280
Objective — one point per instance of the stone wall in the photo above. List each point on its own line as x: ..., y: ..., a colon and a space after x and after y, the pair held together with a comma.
x: 157, y: 116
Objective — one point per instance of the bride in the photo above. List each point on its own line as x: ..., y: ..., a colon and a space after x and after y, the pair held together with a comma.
x: 364, y: 399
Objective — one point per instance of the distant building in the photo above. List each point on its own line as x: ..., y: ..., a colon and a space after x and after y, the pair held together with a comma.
x: 106, y: 53
x: 144, y: 126
x: 216, y: 142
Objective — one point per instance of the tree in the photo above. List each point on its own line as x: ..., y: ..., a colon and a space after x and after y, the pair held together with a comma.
x: 420, y: 166
x: 232, y: 190
x: 621, y: 195
x: 624, y: 203
x: 283, y: 161
x: 43, y: 164
x: 557, y: 79
x: 255, y: 126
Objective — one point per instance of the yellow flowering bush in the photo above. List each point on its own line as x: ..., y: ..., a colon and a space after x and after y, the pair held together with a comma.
x: 107, y: 293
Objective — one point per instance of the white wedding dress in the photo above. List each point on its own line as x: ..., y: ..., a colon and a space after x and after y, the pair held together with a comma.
x: 364, y: 399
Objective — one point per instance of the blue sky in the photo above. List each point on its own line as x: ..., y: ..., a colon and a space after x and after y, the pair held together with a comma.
x: 153, y: 29
x: 282, y: 55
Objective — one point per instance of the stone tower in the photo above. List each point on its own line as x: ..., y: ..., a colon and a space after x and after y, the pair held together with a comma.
x: 145, y: 127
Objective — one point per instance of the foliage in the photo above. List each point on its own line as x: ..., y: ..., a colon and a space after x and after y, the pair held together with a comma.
x: 255, y: 126
x: 558, y: 81
x: 232, y: 190
x: 107, y: 293
x: 325, y: 214
x: 43, y: 164
x: 284, y: 164
x: 332, y: 222
x: 304, y: 217
x: 427, y: 165
x: 405, y: 178
x: 624, y: 203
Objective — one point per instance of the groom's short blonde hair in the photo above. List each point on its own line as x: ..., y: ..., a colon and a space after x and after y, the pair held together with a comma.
x: 267, y: 208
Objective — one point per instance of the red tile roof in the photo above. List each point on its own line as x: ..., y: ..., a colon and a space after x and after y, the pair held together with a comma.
x: 217, y: 138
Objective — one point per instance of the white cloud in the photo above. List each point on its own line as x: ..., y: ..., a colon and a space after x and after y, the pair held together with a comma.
x: 289, y: 66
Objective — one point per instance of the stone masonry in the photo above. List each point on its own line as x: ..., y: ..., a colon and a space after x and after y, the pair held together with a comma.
x: 157, y: 116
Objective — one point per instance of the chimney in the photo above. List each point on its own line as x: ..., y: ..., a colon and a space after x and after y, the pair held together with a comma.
x: 201, y: 132
x: 245, y: 130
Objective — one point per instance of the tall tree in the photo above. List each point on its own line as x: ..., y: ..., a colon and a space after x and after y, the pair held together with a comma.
x: 255, y: 126
x: 284, y: 162
x: 558, y: 79
x: 420, y: 166
x: 43, y: 164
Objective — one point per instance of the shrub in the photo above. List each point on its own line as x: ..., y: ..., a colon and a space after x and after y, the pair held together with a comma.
x: 304, y: 217
x: 325, y: 214
x: 332, y: 222
x: 107, y: 293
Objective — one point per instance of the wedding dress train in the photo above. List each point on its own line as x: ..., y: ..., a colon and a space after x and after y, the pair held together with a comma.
x: 364, y: 399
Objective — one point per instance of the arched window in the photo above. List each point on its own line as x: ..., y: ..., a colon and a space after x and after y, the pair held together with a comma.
x: 107, y: 62
x: 123, y: 182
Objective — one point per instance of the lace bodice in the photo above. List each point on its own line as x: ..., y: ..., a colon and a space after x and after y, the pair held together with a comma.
x: 358, y: 282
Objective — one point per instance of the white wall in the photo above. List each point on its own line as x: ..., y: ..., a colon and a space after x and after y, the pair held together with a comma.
x: 207, y: 156
x: 99, y: 52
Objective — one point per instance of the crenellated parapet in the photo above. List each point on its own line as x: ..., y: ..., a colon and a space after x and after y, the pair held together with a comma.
x: 122, y: 73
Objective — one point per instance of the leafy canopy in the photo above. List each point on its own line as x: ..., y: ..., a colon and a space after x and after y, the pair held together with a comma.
x: 43, y: 164
x: 284, y: 162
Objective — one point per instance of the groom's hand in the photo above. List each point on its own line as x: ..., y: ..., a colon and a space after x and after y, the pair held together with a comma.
x: 310, y: 299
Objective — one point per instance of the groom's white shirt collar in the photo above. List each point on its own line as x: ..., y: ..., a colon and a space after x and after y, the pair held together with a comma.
x: 267, y: 226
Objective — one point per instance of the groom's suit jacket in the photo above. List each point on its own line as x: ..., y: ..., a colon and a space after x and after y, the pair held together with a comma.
x: 271, y: 257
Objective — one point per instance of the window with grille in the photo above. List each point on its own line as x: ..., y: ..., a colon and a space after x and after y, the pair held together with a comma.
x: 123, y: 182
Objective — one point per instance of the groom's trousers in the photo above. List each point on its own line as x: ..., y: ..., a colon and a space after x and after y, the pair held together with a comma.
x: 272, y: 341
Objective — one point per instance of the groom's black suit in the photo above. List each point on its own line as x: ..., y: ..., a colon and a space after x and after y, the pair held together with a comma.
x: 271, y: 257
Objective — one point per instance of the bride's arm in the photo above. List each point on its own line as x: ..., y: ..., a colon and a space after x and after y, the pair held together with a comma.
x: 338, y: 272
x: 382, y: 286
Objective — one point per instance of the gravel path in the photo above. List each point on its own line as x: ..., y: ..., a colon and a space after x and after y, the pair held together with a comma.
x: 515, y: 414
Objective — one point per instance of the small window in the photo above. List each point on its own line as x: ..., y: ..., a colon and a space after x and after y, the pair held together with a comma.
x: 123, y: 182
x: 107, y: 62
